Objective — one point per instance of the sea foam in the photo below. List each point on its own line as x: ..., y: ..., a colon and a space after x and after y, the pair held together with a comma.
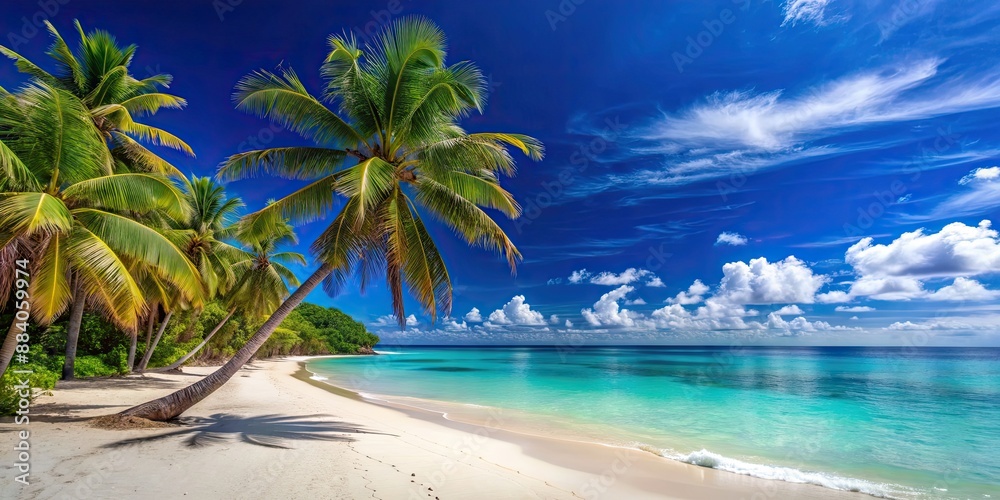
x: 705, y: 458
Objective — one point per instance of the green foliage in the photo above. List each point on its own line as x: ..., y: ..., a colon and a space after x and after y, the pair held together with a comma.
x: 320, y: 330
x: 309, y: 330
x: 42, y: 378
x: 93, y: 366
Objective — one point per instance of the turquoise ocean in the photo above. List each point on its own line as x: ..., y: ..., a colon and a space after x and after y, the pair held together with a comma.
x: 890, y: 422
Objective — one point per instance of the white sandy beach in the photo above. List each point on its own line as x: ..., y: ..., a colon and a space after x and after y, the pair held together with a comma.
x: 272, y: 433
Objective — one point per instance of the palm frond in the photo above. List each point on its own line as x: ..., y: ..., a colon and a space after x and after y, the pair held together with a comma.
x: 284, y: 100
x: 14, y: 174
x: 105, y: 278
x: 287, y: 163
x: 23, y: 214
x: 123, y: 119
x: 128, y: 237
x: 370, y: 182
x: 466, y: 219
x: 60, y: 142
x: 414, y: 259
x: 49, y: 286
x: 69, y: 65
x: 289, y: 258
x: 149, y: 104
x: 140, y: 159
x: 139, y: 193
x: 26, y: 66
x: 481, y: 188
x: 304, y: 205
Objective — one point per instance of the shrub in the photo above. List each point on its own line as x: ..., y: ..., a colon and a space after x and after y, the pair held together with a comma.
x: 42, y: 379
x: 92, y: 366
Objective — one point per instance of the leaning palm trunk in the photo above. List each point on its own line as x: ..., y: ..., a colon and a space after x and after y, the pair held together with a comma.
x: 150, y: 326
x: 151, y: 347
x: 9, y: 346
x: 174, y: 404
x: 134, y: 336
x: 177, y: 364
x: 73, y: 333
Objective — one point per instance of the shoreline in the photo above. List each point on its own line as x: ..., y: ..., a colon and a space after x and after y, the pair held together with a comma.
x: 518, y: 435
x: 266, y: 433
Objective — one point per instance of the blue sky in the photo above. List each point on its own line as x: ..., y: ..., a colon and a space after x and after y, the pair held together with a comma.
x: 816, y: 172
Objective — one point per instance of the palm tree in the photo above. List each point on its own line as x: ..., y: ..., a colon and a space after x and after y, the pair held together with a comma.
x: 98, y: 75
x: 61, y: 200
x: 396, y: 111
x: 264, y: 280
x: 202, y: 235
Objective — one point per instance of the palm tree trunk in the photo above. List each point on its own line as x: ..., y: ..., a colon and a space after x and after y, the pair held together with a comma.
x: 152, y: 324
x: 177, y: 364
x: 151, y: 347
x: 186, y: 336
x: 9, y: 345
x: 174, y: 404
x: 131, y: 350
x: 73, y: 332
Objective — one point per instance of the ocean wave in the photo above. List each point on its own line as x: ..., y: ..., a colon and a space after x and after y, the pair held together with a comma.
x: 388, y: 352
x: 705, y: 458
x: 318, y: 377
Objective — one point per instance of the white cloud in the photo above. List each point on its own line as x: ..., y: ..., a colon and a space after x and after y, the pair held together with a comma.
x: 744, y: 131
x: 854, y: 318
x: 800, y: 324
x: 606, y: 311
x: 516, y: 312
x: 908, y: 325
x: 789, y: 310
x: 714, y: 315
x: 569, y: 324
x: 630, y: 275
x: 554, y: 319
x: 390, y: 320
x: 964, y: 289
x: 694, y: 294
x: 728, y: 238
x: 606, y: 278
x: 981, y: 174
x: 637, y: 302
x: 854, y: 309
x: 897, y: 270
x: 956, y: 250
x: 772, y: 121
x: 451, y: 324
x: 833, y: 297
x: 474, y: 316
x: 760, y: 282
x: 811, y: 11
x: 980, y: 194
x: 887, y: 288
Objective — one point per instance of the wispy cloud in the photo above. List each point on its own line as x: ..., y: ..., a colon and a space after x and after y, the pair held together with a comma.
x: 810, y: 11
x: 746, y: 131
x: 980, y: 193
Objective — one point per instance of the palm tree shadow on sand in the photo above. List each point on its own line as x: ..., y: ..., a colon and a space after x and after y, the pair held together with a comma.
x: 272, y: 431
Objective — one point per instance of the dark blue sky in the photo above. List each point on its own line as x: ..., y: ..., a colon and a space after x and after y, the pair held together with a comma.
x: 747, y: 145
